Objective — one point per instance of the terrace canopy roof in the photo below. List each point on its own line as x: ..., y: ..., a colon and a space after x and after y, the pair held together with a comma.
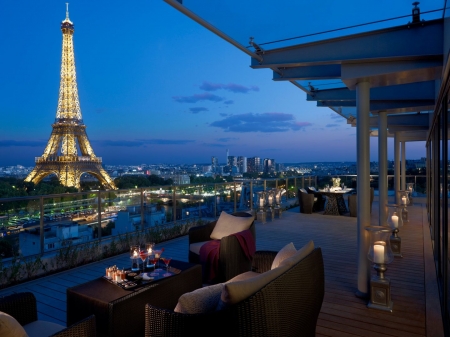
x: 402, y: 59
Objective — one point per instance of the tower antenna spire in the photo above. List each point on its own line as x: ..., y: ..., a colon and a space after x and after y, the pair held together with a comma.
x: 67, y: 11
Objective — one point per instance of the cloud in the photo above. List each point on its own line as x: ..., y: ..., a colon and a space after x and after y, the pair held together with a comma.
x: 233, y: 87
x: 23, y: 143
x: 331, y: 125
x: 229, y: 102
x: 222, y: 114
x: 196, y: 110
x: 142, y: 142
x: 227, y: 139
x: 264, y: 122
x: 197, y: 98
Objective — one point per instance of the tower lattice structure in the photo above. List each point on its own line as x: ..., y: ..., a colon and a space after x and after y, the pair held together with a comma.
x: 68, y: 153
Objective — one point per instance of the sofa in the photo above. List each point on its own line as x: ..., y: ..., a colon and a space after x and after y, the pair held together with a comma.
x: 232, y: 259
x: 18, y: 315
x: 286, y: 302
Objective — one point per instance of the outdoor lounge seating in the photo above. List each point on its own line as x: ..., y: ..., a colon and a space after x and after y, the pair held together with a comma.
x: 22, y: 307
x: 352, y: 203
x: 319, y: 200
x: 286, y: 304
x: 232, y: 258
x: 306, y: 201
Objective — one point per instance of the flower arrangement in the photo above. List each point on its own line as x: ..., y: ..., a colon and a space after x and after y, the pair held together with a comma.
x: 336, y: 182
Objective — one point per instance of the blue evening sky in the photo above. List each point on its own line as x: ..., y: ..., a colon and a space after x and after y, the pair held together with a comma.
x: 156, y: 87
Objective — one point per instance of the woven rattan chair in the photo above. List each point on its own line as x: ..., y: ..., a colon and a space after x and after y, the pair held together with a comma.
x: 289, y: 305
x: 22, y: 306
x: 353, y: 205
x: 319, y: 199
x: 306, y: 201
x: 232, y: 260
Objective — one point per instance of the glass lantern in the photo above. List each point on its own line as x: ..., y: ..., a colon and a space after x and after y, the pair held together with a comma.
x: 261, y: 200
x: 134, y: 257
x: 395, y: 221
x: 380, y: 252
x: 277, y: 192
x: 149, y: 246
x: 404, y: 198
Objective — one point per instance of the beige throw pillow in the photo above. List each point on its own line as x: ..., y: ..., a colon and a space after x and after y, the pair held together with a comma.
x: 9, y: 327
x: 299, y: 255
x: 285, y: 252
x: 229, y: 224
x: 200, y: 301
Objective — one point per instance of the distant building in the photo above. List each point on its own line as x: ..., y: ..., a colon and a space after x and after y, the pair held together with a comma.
x: 181, y: 179
x: 254, y: 165
x: 269, y: 165
x: 214, y: 164
x: 280, y: 167
x: 242, y: 164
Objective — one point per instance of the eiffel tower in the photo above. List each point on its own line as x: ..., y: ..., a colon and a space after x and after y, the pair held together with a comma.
x: 69, y: 136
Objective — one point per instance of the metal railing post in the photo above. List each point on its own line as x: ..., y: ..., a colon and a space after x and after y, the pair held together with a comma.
x: 174, y: 205
x: 41, y: 224
x: 235, y: 195
x: 99, y: 215
x: 142, y: 208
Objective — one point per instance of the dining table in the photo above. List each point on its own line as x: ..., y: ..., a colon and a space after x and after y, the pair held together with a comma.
x: 335, y: 200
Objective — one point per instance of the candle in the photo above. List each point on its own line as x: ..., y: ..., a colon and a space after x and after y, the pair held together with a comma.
x: 149, y: 251
x: 404, y: 200
x: 270, y: 199
x: 261, y: 202
x: 135, y: 254
x: 277, y: 198
x: 394, y: 219
x: 378, y: 253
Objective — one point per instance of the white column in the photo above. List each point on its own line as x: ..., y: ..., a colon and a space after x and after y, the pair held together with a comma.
x: 396, y: 166
x: 403, y: 166
x: 363, y: 184
x: 382, y: 168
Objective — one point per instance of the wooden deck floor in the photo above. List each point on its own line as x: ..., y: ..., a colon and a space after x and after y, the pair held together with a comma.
x: 342, y: 313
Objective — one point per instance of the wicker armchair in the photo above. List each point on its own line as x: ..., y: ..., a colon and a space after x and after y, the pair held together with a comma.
x: 289, y: 305
x: 306, y: 201
x: 319, y: 199
x: 232, y: 260
x: 353, y: 205
x: 22, y: 306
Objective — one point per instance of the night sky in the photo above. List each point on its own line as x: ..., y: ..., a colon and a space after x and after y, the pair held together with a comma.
x: 156, y: 87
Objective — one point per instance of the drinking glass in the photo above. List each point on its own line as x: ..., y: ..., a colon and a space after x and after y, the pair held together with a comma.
x: 149, y: 246
x: 154, y: 259
x: 157, y: 256
x: 143, y: 255
x: 166, y: 261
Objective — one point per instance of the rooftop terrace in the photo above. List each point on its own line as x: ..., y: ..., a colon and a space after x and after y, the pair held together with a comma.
x: 413, y: 277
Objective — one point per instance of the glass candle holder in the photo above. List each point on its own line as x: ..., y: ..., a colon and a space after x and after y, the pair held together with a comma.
x: 149, y: 246
x: 379, y: 247
x: 134, y: 257
x: 261, y: 200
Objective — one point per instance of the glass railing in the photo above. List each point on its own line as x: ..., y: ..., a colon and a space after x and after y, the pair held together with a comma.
x: 66, y: 226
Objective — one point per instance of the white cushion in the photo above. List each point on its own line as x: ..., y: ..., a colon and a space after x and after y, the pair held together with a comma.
x: 42, y: 328
x: 244, y: 276
x: 299, y: 255
x: 235, y: 292
x: 195, y: 247
x: 303, y: 190
x: 200, y: 301
x: 229, y: 224
x: 9, y: 327
x: 284, y: 253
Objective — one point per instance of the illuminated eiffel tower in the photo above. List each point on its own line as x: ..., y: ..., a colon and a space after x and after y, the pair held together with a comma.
x: 69, y: 136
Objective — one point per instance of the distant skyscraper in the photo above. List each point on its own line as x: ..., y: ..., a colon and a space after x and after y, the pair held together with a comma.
x: 232, y: 161
x: 242, y: 164
x: 254, y: 165
x: 269, y: 165
x: 214, y: 164
x: 68, y: 153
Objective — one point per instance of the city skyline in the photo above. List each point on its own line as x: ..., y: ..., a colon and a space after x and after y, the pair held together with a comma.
x: 155, y: 86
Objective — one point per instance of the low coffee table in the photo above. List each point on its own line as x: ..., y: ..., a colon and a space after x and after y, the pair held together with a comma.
x: 121, y: 312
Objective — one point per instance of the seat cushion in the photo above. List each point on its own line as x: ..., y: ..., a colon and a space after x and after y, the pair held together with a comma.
x: 229, y: 224
x: 284, y: 253
x: 199, y: 301
x: 195, y: 247
x: 299, y: 255
x: 9, y: 327
x: 237, y: 291
x: 42, y: 328
x: 303, y: 190
x: 244, y: 276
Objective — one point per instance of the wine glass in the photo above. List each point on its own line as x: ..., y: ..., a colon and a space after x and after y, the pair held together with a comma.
x: 166, y: 261
x: 143, y: 255
x: 154, y: 259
